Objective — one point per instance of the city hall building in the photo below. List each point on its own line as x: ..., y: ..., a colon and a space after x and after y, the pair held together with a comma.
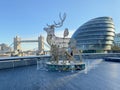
x: 96, y: 35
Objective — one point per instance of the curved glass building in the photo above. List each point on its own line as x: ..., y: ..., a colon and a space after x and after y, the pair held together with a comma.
x: 95, y: 35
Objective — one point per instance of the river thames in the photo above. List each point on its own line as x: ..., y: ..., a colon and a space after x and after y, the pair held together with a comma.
x: 98, y: 75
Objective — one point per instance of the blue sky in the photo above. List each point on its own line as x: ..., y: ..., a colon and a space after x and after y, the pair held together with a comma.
x: 27, y: 18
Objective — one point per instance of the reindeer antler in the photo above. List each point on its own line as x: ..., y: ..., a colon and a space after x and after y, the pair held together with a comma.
x: 59, y: 24
x: 48, y: 25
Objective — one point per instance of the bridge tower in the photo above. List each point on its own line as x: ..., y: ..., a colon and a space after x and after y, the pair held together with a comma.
x: 40, y: 43
x: 17, y: 43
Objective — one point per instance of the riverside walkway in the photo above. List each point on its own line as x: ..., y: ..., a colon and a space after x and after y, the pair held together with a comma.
x: 99, y: 75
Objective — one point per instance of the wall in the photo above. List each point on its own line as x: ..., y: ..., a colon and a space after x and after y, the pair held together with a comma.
x: 27, y: 62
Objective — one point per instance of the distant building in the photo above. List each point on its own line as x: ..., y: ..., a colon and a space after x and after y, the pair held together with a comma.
x: 96, y: 35
x: 4, y: 48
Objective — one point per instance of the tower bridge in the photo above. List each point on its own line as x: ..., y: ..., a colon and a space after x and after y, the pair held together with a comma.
x: 18, y: 41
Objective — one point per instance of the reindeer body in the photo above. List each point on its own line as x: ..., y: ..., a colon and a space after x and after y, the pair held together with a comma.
x: 57, y: 43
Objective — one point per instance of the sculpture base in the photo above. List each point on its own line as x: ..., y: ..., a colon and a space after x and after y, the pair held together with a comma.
x: 65, y: 66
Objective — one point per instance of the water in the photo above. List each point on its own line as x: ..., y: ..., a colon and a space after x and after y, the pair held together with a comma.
x: 98, y: 75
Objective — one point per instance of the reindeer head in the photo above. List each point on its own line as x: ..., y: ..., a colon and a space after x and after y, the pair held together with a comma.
x: 50, y: 28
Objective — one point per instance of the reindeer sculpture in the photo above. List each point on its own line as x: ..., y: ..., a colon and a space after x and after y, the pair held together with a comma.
x: 56, y: 43
x: 51, y: 38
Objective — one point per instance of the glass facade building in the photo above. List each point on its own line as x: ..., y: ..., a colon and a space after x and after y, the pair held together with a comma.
x: 95, y: 35
x: 117, y: 39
